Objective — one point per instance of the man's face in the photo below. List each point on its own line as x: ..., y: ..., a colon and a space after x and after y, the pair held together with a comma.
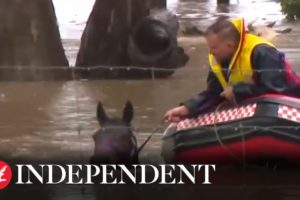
x: 223, y: 50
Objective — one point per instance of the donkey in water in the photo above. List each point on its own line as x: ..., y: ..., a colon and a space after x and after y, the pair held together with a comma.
x: 115, y: 142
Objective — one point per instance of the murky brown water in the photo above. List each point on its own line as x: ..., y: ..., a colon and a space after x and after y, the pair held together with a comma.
x: 45, y: 120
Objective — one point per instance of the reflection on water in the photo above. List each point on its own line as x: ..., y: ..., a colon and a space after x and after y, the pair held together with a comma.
x: 45, y: 120
x: 72, y: 16
x: 249, y: 9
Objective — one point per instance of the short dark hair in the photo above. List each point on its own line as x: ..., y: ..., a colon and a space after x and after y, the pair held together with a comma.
x: 224, y: 29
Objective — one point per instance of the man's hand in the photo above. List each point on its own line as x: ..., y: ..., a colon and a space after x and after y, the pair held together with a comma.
x: 228, y: 93
x: 175, y: 114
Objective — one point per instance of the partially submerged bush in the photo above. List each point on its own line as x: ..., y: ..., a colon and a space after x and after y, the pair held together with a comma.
x: 291, y: 8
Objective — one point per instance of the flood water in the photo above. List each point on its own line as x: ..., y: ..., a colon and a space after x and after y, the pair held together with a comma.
x: 45, y: 120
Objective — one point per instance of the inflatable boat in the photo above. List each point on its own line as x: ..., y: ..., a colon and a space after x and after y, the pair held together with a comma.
x: 262, y: 128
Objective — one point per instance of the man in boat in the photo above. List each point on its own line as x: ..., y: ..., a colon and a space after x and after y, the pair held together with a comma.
x: 242, y: 66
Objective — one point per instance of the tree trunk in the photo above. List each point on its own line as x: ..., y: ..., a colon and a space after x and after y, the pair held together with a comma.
x: 107, y: 40
x: 159, y: 4
x: 30, y: 39
x: 223, y: 1
x: 103, y: 41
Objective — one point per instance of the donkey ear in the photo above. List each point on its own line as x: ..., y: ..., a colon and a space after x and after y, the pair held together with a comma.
x: 101, y: 115
x: 128, y: 112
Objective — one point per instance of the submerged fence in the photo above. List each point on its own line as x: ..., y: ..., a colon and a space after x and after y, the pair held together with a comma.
x: 58, y: 118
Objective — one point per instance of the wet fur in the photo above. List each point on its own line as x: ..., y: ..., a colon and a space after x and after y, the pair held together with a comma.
x: 115, y: 142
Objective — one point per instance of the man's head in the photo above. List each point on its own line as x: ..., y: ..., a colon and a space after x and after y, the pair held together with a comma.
x: 222, y: 38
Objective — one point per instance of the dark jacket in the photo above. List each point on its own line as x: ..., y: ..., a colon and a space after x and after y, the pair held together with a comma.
x: 269, y: 74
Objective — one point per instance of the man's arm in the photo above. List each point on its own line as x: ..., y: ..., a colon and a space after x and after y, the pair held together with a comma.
x: 206, y: 99
x: 268, y: 69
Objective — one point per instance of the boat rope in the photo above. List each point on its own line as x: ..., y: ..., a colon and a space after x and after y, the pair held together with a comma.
x: 150, y: 136
x: 224, y: 146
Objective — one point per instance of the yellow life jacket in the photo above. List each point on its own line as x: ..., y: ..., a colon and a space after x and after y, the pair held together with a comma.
x: 240, y: 69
